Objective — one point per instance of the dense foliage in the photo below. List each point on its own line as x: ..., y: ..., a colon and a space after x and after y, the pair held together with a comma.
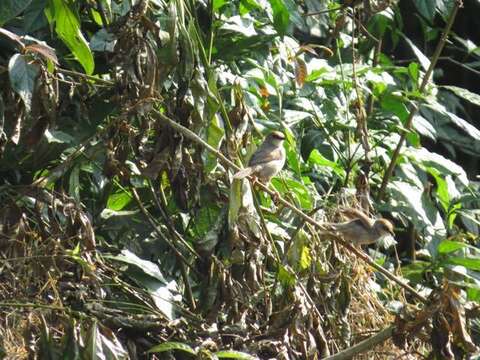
x: 122, y: 234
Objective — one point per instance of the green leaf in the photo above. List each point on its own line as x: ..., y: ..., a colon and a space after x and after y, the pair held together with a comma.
x: 162, y: 294
x: 172, y: 345
x: 424, y: 127
x: 235, y: 202
x: 412, y: 202
x: 11, y: 8
x: 215, y: 135
x: 298, y: 254
x: 240, y: 25
x: 432, y: 160
x: 471, y: 97
x: 424, y: 60
x: 285, y: 277
x: 232, y: 354
x: 248, y: 5
x: 318, y: 159
x: 426, y: 8
x: 292, y: 155
x: 281, y: 16
x: 472, y: 263
x: 218, y: 4
x: 299, y: 190
x: 448, y: 246
x: 60, y: 137
x: 451, y: 129
x: 473, y: 294
x: 67, y: 27
x: 34, y: 16
x: 148, y: 267
x: 380, y: 22
x: 119, y: 200
x: 413, y: 72
x: 396, y: 105
x: 74, y: 183
x: 415, y: 271
x: 22, y: 78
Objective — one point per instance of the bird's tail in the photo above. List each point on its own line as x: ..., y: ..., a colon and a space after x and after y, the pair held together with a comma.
x: 243, y: 173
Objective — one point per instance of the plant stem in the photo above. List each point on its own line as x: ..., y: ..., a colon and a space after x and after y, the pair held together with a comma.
x: 194, y: 137
x: 414, y: 108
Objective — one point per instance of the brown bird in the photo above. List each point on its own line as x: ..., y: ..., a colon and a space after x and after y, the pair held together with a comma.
x: 361, y: 230
x: 268, y: 160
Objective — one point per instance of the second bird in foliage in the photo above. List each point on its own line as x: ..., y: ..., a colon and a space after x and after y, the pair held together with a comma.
x: 361, y: 230
x: 268, y: 160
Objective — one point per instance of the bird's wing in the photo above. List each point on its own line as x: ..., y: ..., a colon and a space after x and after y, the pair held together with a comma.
x: 352, y: 213
x: 266, y: 154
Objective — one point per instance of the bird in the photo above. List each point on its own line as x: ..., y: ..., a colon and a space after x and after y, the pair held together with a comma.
x: 361, y: 230
x: 268, y: 160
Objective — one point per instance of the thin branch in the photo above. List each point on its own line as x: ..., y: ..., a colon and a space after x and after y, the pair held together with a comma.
x: 194, y: 137
x: 162, y: 207
x: 159, y: 232
x: 414, y: 108
x: 85, y: 76
x: 364, y: 345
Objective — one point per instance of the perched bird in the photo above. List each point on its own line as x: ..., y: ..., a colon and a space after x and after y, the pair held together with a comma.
x: 268, y: 160
x: 361, y: 230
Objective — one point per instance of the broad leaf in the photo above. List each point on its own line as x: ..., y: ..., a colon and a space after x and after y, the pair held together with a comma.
x: 23, y: 76
x: 281, y: 16
x: 11, y: 8
x: 171, y: 345
x: 68, y: 29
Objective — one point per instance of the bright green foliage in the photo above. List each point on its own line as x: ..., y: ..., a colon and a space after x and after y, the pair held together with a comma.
x: 124, y: 234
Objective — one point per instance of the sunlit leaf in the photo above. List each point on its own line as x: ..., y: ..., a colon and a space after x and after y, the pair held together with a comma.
x: 148, y: 267
x: 472, y: 263
x: 318, y: 159
x: 118, y: 201
x: 68, y: 29
x: 171, y: 345
x: 471, y: 97
x: 242, y: 25
x: 297, y: 189
x: 23, y: 76
x: 426, y: 8
x: 232, y: 354
x: 285, y: 277
x: 422, y: 58
x: 448, y: 246
x: 281, y: 16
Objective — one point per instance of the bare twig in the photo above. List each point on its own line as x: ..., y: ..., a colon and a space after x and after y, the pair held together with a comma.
x: 414, y: 108
x: 160, y: 233
x: 85, y: 76
x: 194, y: 137
x: 364, y: 345
x: 162, y: 207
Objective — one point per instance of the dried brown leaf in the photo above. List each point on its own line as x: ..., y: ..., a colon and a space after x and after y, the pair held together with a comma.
x: 301, y: 71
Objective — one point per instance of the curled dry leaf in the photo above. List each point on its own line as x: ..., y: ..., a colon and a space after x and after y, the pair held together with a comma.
x: 46, y: 51
x: 301, y: 71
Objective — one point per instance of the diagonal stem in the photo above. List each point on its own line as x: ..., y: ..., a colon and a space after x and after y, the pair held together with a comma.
x: 194, y: 137
x: 414, y: 108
